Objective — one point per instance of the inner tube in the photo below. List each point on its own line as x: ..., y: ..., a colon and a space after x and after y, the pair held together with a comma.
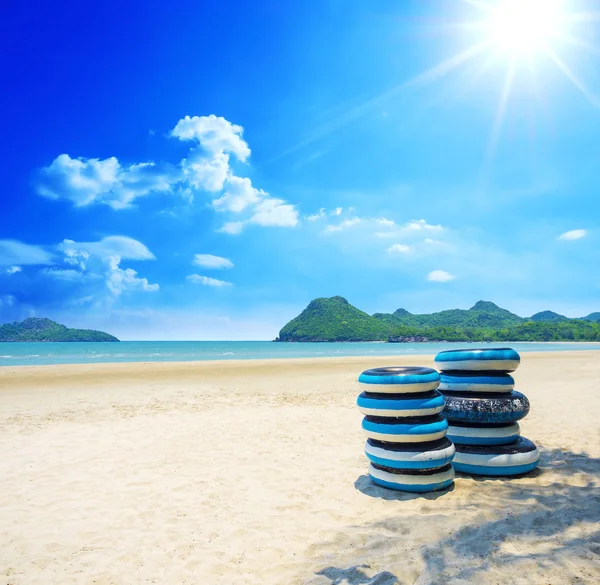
x: 470, y: 407
x: 520, y: 457
x: 399, y: 380
x: 501, y: 359
x: 431, y: 455
x: 406, y: 480
x: 405, y: 430
x: 483, y: 434
x: 453, y: 381
x: 422, y: 404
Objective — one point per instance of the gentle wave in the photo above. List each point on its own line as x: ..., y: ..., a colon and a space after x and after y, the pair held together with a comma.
x: 38, y: 353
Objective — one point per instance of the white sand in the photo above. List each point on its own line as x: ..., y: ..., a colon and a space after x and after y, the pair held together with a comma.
x: 253, y: 472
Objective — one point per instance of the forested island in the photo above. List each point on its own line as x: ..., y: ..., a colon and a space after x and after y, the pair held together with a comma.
x: 335, y: 319
x: 40, y: 329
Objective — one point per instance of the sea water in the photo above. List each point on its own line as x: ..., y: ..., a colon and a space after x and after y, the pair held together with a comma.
x: 46, y: 353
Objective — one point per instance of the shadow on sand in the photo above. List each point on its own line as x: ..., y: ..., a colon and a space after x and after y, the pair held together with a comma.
x: 365, y: 485
x: 356, y: 576
x: 544, y: 525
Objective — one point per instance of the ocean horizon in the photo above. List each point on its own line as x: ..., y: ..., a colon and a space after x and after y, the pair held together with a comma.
x: 55, y: 353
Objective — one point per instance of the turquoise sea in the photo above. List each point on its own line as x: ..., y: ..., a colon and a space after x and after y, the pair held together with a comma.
x: 38, y: 353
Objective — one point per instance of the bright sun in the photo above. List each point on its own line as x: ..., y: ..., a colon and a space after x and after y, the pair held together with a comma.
x: 522, y: 26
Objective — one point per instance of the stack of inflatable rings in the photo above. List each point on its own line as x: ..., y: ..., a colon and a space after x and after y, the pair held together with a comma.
x: 482, y: 409
x: 406, y: 436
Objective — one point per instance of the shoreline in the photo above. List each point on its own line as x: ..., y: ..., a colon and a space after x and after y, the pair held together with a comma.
x: 19, y: 355
x: 168, y: 372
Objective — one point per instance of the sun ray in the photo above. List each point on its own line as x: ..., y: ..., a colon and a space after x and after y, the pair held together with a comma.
x: 499, y: 119
x: 439, y: 70
x: 577, y: 42
x: 480, y: 5
x: 541, y: 102
x: 580, y: 17
x: 572, y: 77
x: 518, y: 31
x: 468, y: 78
x: 445, y: 67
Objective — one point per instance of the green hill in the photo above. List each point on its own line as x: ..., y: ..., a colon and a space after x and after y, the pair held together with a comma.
x: 335, y: 319
x: 39, y: 329
x: 548, y: 316
x: 592, y: 317
x: 482, y: 314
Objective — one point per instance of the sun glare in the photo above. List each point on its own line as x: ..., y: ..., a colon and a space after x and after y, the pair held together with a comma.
x: 521, y: 26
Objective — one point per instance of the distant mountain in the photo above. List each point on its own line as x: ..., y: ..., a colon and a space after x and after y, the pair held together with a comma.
x: 39, y: 329
x: 335, y: 319
x: 481, y: 314
x: 592, y: 317
x: 547, y: 316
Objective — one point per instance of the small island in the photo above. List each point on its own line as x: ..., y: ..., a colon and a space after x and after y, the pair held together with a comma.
x: 40, y: 329
x: 335, y: 319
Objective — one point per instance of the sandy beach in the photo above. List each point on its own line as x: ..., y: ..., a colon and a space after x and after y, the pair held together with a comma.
x: 253, y: 472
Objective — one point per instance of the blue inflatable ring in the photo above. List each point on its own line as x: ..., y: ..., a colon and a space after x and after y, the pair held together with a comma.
x: 476, y: 382
x: 483, y: 434
x: 494, y: 359
x: 418, y: 481
x: 422, y: 404
x: 431, y: 455
x: 399, y: 380
x: 405, y: 430
x: 498, y: 460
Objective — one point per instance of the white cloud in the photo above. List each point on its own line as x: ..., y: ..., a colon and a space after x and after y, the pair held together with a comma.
x: 265, y: 210
x: 274, y: 212
x: 432, y: 242
x: 343, y: 225
x: 413, y: 228
x: 205, y: 172
x: 232, y: 227
x: 421, y: 224
x: 210, y: 261
x: 122, y: 246
x: 13, y: 252
x: 208, y: 168
x: 239, y: 194
x: 101, y: 261
x: 73, y: 256
x: 268, y: 212
x: 120, y: 280
x: 323, y: 213
x: 440, y: 276
x: 13, y: 269
x: 84, y: 181
x: 214, y: 133
x: 399, y: 249
x: 573, y: 235
x: 63, y: 273
x: 207, y: 280
x: 315, y: 216
x: 83, y: 272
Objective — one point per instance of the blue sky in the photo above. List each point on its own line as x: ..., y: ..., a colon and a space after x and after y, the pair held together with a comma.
x: 196, y: 170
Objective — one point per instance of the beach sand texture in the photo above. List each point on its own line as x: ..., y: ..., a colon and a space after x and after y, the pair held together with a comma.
x: 253, y: 472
